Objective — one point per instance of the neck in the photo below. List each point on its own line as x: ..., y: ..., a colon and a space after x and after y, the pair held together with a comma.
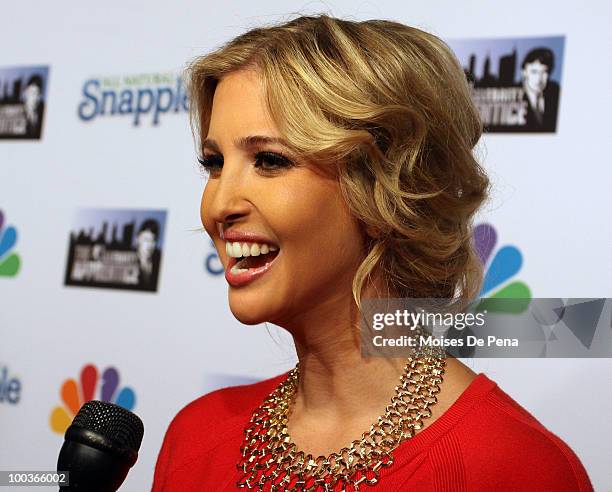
x: 334, y: 378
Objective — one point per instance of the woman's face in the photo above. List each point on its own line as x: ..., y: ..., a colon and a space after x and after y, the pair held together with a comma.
x: 282, y: 203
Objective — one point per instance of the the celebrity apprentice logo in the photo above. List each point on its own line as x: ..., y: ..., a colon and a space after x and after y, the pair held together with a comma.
x: 91, y: 385
x: 116, y: 249
x: 9, y: 260
x: 515, y: 82
x: 141, y: 97
x: 23, y: 95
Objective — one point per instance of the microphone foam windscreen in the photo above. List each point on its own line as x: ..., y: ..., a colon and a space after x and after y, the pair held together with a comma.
x: 112, y: 421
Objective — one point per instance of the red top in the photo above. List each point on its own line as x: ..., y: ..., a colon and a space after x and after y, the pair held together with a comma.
x: 485, y: 441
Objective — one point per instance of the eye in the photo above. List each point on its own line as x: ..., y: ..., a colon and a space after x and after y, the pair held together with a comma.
x: 266, y: 162
x: 270, y: 161
x: 211, y: 164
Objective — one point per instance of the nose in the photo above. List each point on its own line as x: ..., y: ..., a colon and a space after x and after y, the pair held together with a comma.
x: 225, y: 198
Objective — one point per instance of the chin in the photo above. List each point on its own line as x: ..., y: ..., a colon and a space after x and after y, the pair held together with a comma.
x: 249, y: 309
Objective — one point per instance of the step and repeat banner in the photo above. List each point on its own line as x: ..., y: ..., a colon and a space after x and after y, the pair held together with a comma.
x: 109, y: 287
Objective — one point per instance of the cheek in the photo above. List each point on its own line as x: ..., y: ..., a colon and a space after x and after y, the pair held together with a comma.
x: 208, y: 222
x: 320, y: 236
x: 205, y: 218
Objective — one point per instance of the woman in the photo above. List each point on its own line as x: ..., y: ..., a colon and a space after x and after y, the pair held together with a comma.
x: 340, y: 167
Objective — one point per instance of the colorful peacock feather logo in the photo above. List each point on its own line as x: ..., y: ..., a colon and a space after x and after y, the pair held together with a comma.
x: 498, y: 280
x: 74, y: 396
x: 9, y: 262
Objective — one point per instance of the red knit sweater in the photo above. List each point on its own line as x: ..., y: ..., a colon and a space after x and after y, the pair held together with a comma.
x: 484, y: 442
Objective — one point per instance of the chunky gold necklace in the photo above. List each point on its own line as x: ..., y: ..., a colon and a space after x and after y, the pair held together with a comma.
x: 271, y: 462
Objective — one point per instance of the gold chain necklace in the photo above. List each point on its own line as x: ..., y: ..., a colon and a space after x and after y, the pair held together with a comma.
x: 271, y: 462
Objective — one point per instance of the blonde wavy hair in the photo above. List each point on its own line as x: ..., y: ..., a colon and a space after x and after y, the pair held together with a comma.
x: 390, y: 105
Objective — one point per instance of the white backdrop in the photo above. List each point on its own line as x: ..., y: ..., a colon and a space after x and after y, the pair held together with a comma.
x: 551, y: 199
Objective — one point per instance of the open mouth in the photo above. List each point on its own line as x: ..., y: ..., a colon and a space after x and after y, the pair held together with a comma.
x: 249, y: 256
x: 250, y: 262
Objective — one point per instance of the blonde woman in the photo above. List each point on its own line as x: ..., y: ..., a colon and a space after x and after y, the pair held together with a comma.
x: 340, y: 167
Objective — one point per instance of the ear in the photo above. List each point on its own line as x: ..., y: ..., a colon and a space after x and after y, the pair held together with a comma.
x: 372, y: 232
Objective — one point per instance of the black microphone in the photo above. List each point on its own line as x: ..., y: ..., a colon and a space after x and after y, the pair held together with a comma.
x: 100, y: 447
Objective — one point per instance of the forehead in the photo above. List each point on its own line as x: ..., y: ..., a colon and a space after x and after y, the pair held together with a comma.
x: 535, y: 64
x: 239, y: 106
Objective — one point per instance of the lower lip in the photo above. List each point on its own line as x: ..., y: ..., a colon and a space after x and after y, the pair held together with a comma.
x: 244, y: 278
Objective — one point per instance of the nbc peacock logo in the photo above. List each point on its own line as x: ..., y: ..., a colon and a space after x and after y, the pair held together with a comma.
x: 500, y: 273
x: 91, y: 385
x: 9, y: 260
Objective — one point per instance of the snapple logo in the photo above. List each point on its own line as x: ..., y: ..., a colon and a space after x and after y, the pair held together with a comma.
x: 10, y: 388
x: 135, y: 95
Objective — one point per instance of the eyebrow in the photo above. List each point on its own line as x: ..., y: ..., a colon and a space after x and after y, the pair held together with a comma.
x: 245, y: 143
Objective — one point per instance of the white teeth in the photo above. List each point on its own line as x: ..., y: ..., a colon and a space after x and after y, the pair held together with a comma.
x: 234, y: 269
x: 241, y: 250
